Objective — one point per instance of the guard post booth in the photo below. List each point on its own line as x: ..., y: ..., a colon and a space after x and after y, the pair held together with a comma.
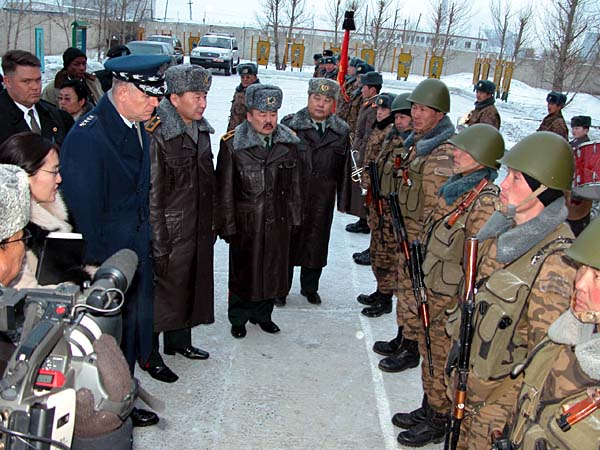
x: 79, y: 34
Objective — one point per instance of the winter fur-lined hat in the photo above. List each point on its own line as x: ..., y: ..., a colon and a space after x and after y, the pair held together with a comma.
x: 385, y: 100
x: 557, y: 98
x: 371, y: 79
x: 264, y: 97
x: 328, y: 60
x: 581, y: 121
x: 328, y: 52
x: 186, y: 78
x: 70, y: 54
x: 317, y: 56
x: 247, y: 69
x: 146, y: 72
x: 14, y: 200
x: 487, y: 86
x: 323, y: 86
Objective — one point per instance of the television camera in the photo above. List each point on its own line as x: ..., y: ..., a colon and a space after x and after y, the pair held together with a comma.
x: 55, y: 330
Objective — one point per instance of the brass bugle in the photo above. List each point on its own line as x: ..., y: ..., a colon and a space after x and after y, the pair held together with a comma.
x: 356, y: 175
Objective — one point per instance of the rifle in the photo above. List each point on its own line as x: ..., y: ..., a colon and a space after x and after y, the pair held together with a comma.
x: 376, y: 192
x: 465, y: 204
x: 580, y: 410
x: 398, y: 225
x: 465, y: 337
x: 418, y: 285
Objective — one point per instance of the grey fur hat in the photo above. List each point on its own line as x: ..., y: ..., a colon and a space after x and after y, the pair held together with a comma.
x: 371, y: 79
x: 264, y: 97
x: 14, y: 200
x: 323, y: 86
x: 187, y: 78
x: 247, y: 69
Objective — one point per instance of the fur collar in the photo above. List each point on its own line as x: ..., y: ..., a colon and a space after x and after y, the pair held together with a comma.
x: 487, y: 102
x: 51, y: 216
x: 172, y: 125
x: 246, y: 137
x: 514, y: 242
x: 459, y: 184
x: 241, y: 88
x: 384, y: 123
x: 443, y: 131
x: 567, y: 330
x: 302, y: 121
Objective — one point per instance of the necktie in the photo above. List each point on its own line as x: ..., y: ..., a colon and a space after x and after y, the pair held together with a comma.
x: 35, y: 126
x: 320, y: 129
x: 267, y: 143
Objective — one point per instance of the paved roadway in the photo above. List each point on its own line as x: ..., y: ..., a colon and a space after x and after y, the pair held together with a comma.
x: 315, y: 385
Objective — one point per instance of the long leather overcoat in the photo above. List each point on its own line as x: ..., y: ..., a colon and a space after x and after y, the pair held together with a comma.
x: 181, y: 210
x: 325, y: 168
x: 259, y: 201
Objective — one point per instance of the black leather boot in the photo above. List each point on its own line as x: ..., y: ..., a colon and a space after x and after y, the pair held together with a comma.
x: 370, y: 299
x: 406, y: 357
x: 383, y: 306
x: 387, y: 348
x: 363, y: 258
x: 410, y: 420
x: 432, y: 429
x: 359, y: 226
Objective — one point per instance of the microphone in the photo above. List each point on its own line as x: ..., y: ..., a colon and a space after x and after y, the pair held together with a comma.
x: 116, y: 272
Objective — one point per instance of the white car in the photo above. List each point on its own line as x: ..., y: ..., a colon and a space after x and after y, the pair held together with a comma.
x: 217, y: 51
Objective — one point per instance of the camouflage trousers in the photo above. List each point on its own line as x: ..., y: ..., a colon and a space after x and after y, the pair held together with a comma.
x: 484, y: 417
x: 435, y: 386
x: 407, y: 314
x: 383, y: 249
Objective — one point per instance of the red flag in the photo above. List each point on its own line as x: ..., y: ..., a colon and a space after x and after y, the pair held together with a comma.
x: 347, y: 26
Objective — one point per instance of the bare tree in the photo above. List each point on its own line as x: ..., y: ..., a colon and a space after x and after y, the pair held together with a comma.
x: 523, y: 24
x: 384, y: 27
x: 271, y: 21
x: 501, y: 18
x: 565, y: 25
x: 447, y: 20
x: 335, y: 16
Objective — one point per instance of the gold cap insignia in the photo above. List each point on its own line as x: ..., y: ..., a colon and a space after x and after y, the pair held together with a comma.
x: 271, y: 101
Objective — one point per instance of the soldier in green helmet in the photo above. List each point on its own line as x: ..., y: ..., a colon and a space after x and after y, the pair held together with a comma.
x: 562, y: 374
x: 523, y: 282
x: 425, y: 165
x: 465, y: 202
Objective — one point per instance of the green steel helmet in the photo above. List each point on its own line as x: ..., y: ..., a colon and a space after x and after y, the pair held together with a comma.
x: 586, y: 248
x: 401, y: 104
x: 483, y: 142
x: 433, y: 93
x: 544, y: 156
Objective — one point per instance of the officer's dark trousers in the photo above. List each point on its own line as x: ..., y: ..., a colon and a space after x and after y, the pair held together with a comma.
x: 172, y: 340
x: 241, y: 311
x: 309, y: 279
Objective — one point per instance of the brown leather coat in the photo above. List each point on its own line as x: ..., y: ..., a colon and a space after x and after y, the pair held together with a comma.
x: 181, y: 211
x: 259, y: 201
x: 325, y: 175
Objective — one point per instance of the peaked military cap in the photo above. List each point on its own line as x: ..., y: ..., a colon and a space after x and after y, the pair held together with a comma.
x: 146, y: 72
x: 557, y: 98
x: 371, y: 79
x: 323, y: 86
x: 485, y: 86
x: 264, y: 97
x: 385, y: 100
x: 581, y: 121
x: 186, y: 78
x: 247, y: 69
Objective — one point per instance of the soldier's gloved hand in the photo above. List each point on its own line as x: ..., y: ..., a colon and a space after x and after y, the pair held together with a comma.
x: 452, y: 360
x: 116, y: 378
x: 161, y: 265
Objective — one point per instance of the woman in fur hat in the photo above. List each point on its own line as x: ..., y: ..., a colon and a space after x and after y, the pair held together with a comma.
x: 39, y: 158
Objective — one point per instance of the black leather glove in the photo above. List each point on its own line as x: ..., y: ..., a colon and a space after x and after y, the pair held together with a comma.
x: 161, y: 265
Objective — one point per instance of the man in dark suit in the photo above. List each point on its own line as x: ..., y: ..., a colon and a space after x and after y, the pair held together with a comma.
x: 105, y: 165
x: 20, y: 106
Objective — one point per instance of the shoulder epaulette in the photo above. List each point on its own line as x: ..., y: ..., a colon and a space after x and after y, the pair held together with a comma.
x: 373, y: 105
x: 152, y: 124
x: 287, y: 117
x: 228, y: 135
x: 87, y: 120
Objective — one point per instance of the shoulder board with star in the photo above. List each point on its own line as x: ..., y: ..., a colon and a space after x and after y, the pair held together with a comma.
x: 228, y: 135
x: 87, y: 120
x: 152, y: 124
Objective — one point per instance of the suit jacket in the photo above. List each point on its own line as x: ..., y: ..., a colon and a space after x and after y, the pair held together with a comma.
x: 54, y: 122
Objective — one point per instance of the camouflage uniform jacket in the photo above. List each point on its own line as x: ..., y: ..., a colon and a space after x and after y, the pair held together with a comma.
x: 556, y: 124
x: 331, y: 75
x: 558, y: 373
x: 485, y: 112
x: 319, y: 72
x: 238, y: 107
x: 374, y: 145
x: 343, y: 106
x: 549, y: 296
